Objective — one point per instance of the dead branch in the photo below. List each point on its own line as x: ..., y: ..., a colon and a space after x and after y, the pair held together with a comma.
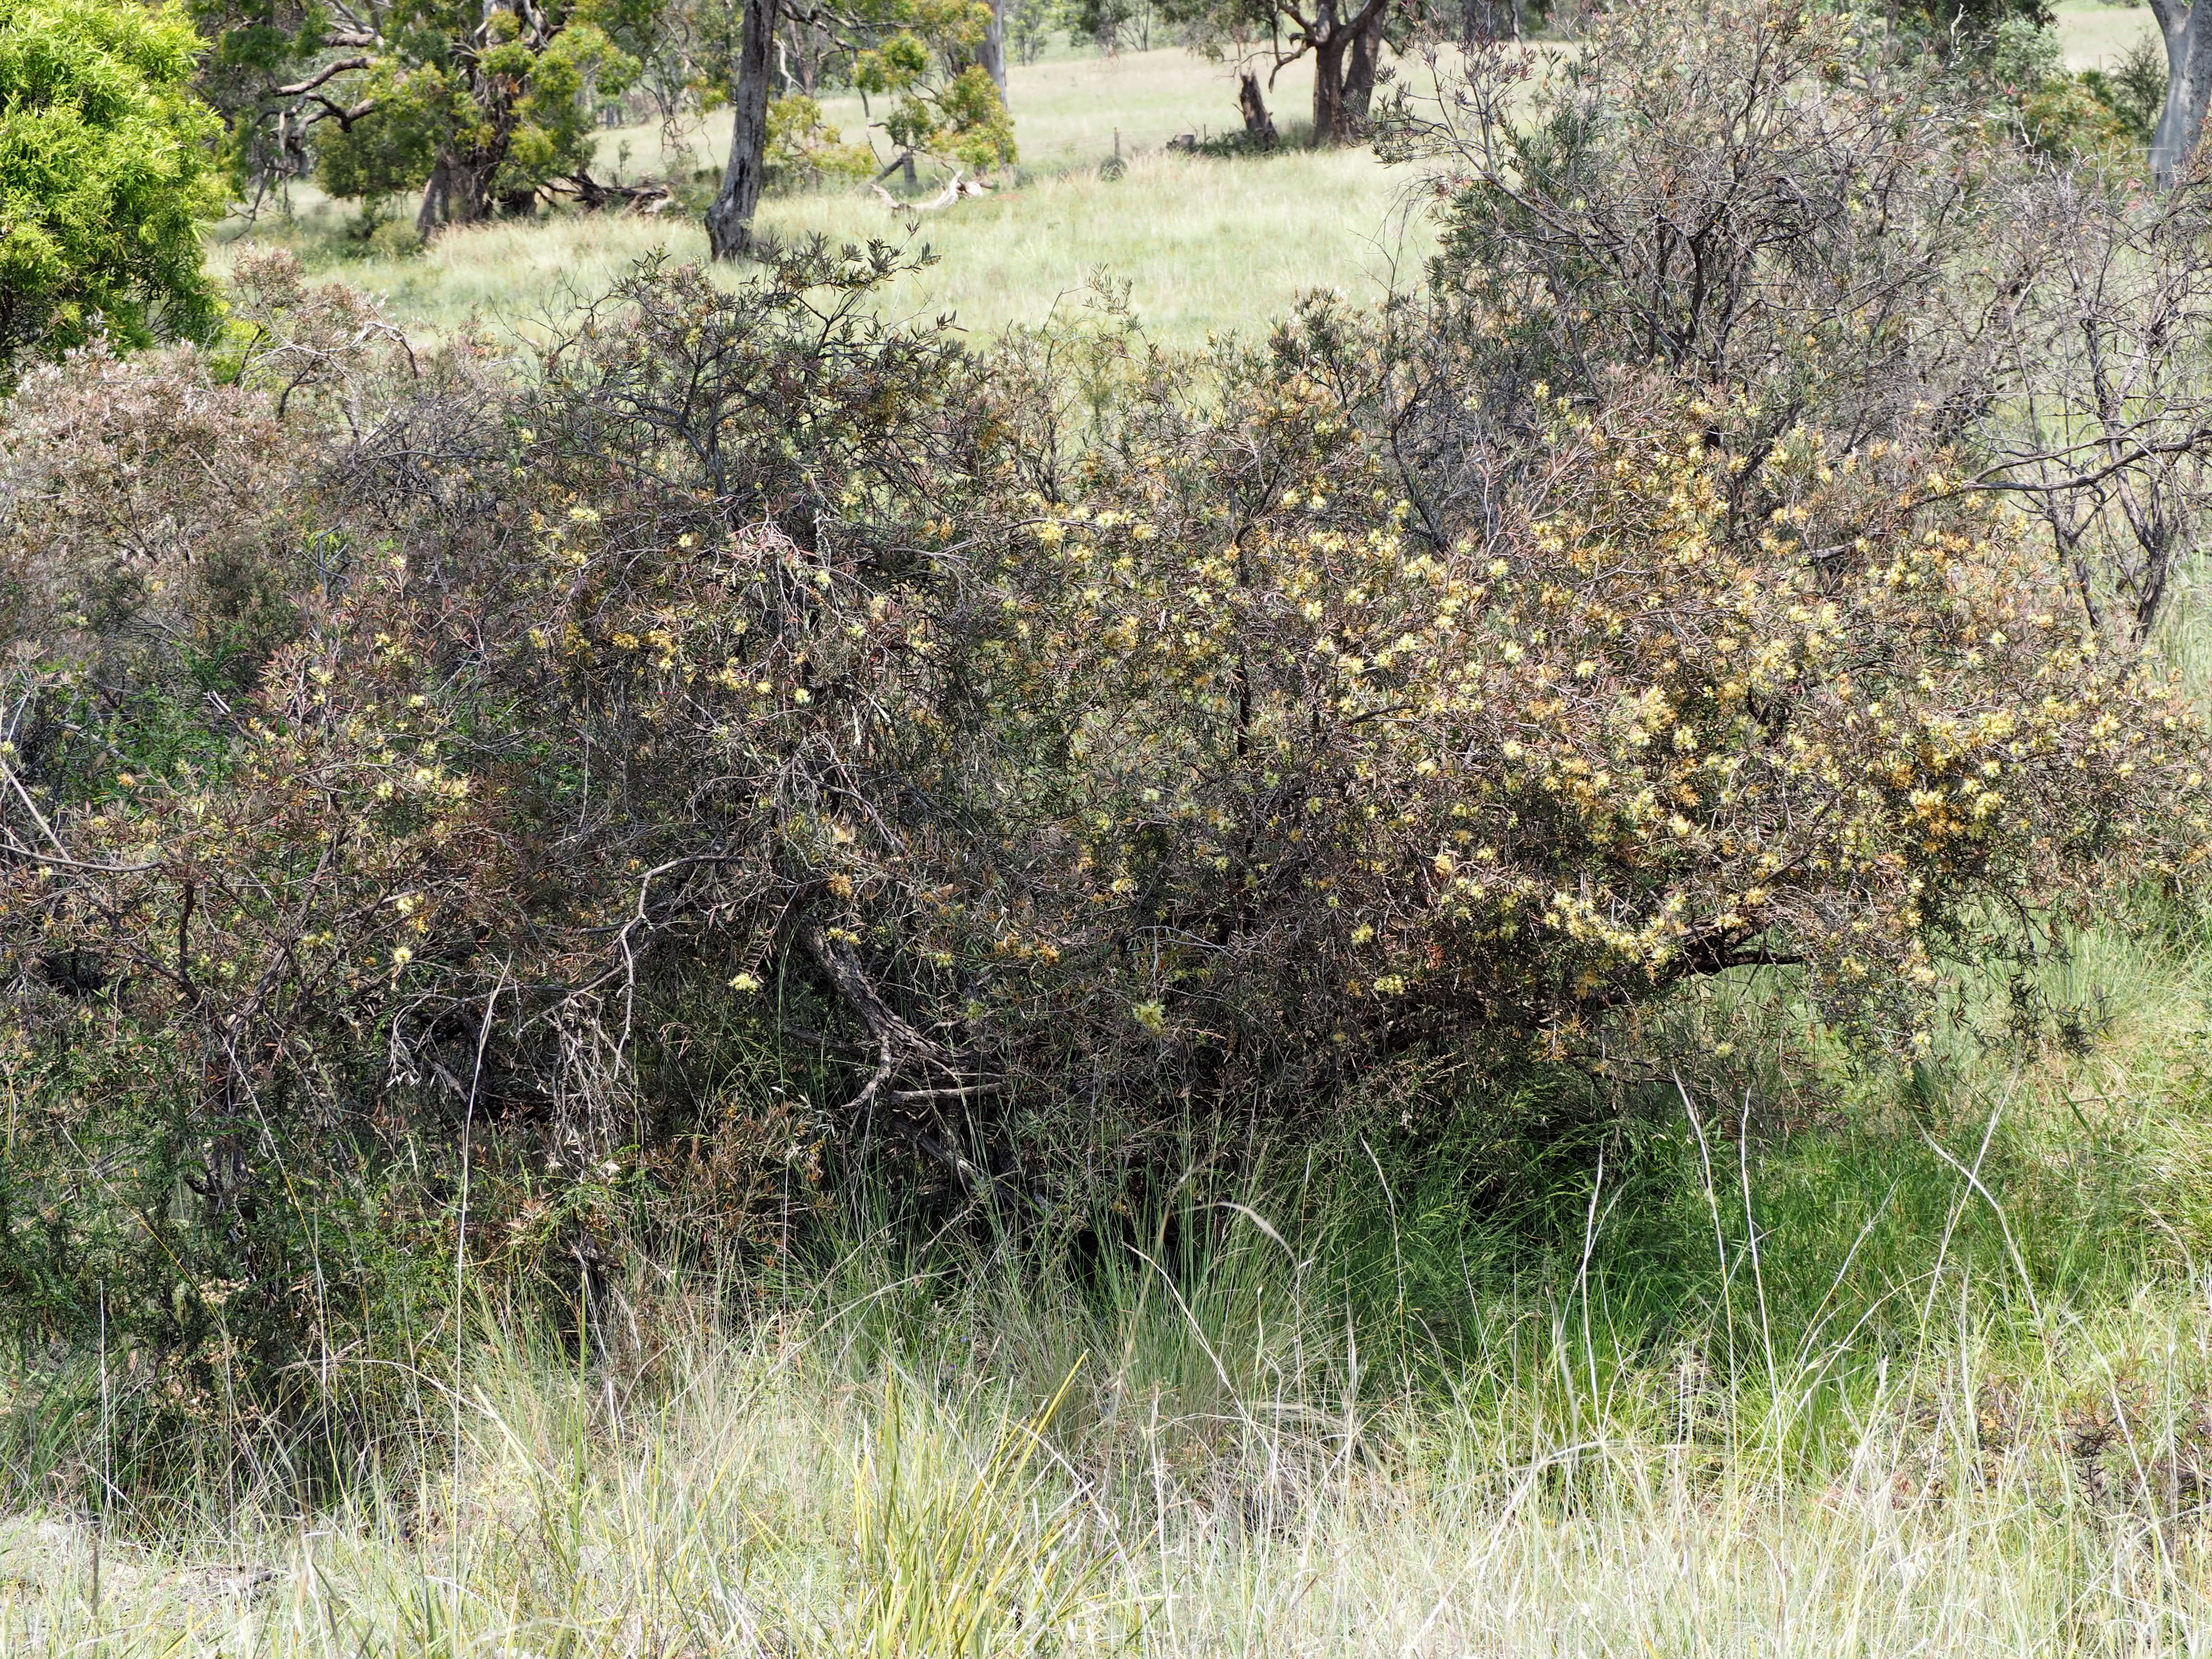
x: 954, y: 188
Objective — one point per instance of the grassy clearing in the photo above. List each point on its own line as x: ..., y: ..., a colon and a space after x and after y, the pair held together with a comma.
x: 1068, y: 108
x: 1206, y: 245
x: 2096, y: 35
x: 1201, y: 243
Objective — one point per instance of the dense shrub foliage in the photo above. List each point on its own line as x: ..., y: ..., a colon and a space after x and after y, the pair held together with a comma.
x: 104, y: 166
x: 460, y: 809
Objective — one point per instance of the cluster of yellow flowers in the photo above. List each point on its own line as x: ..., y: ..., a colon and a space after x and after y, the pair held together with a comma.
x: 1528, y: 775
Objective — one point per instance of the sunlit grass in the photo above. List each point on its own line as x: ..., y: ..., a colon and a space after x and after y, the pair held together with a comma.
x: 1935, y: 1378
x: 1204, y: 244
x: 2096, y: 35
x: 1069, y: 109
x: 1206, y: 1466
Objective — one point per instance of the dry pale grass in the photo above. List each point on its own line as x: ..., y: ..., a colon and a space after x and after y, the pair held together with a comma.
x: 1213, y: 1474
x: 2096, y: 35
x: 1070, y: 109
x: 1204, y: 247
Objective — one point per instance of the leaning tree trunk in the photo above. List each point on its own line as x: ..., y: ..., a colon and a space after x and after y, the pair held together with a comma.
x: 433, y: 212
x: 730, y: 220
x: 2188, y: 32
x: 1258, y: 125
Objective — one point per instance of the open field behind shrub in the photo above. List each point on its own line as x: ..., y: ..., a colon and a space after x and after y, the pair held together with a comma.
x: 1204, y: 244
x: 2096, y: 36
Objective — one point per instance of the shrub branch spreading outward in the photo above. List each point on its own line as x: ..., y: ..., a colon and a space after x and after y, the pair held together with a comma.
x: 1207, y: 750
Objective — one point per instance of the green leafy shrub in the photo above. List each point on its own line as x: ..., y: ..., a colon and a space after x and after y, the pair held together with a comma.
x: 479, y: 110
x: 2059, y: 115
x: 2133, y: 89
x: 942, y: 106
x: 107, y: 162
x: 805, y: 151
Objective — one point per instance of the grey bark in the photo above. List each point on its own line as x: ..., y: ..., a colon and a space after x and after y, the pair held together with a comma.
x: 1360, y: 72
x: 432, y: 210
x: 2188, y: 33
x: 992, y: 54
x: 459, y: 190
x: 730, y: 220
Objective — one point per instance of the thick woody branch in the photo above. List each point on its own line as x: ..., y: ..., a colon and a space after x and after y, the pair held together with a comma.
x: 896, y: 1043
x: 345, y: 118
x: 331, y: 73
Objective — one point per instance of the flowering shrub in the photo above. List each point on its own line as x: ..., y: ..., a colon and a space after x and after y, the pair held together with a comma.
x: 1351, y: 776
x: 995, y: 752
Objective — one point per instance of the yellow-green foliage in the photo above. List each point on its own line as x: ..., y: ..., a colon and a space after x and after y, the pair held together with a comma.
x: 105, y: 163
x: 953, y: 112
x: 805, y: 151
x: 1620, y: 736
x: 487, y: 106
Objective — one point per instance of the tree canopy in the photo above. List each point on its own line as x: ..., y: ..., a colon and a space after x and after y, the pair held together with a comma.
x: 476, y: 106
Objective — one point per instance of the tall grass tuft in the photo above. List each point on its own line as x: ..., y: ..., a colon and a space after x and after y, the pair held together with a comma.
x: 1841, y: 1398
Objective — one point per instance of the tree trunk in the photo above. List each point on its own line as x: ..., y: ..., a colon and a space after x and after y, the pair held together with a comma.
x: 2188, y: 33
x: 730, y: 220
x: 459, y: 190
x: 432, y: 210
x: 1360, y: 72
x: 1328, y: 83
x: 992, y: 54
x: 1347, y: 53
x: 468, y: 200
x: 1258, y: 125
x: 807, y: 49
